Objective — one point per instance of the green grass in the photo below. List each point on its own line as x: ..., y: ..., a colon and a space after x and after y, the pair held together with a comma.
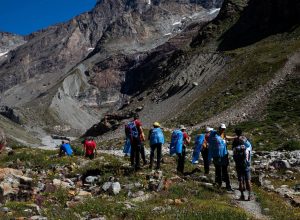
x: 247, y: 69
x: 279, y: 129
x: 35, y: 158
x: 279, y: 209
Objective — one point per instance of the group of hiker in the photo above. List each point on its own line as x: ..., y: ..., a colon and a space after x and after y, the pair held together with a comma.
x: 212, y: 145
x: 89, y: 148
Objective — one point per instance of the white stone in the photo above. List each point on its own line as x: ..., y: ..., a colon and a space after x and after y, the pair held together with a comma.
x: 116, y: 188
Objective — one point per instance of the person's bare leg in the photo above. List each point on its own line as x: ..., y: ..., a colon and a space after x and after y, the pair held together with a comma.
x: 248, y: 186
x: 241, y: 187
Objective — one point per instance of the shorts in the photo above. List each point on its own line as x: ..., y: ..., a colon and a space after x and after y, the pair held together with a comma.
x: 243, y: 174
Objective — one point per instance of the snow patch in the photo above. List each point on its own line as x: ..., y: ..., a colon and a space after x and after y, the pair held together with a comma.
x: 168, y: 34
x: 177, y: 23
x: 149, y: 2
x: 4, y: 53
x: 91, y: 48
x: 214, y: 10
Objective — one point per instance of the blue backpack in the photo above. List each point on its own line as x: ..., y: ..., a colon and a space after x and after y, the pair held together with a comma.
x: 248, y: 144
x: 217, y: 146
x: 157, y: 136
x: 199, y: 142
x: 198, y: 147
x: 176, y: 142
x: 127, y: 147
x: 132, y: 131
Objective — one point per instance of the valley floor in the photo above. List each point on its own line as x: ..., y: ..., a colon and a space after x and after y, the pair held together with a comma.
x: 36, y: 184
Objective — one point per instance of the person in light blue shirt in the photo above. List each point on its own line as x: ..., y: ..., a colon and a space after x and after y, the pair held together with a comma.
x: 218, y: 151
x: 65, y: 149
x: 157, y: 139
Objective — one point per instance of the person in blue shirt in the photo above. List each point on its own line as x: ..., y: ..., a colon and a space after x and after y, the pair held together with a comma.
x: 65, y: 149
x: 157, y: 139
x: 218, y: 152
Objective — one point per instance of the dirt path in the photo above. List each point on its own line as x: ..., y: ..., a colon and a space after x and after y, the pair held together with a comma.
x: 255, y: 102
x: 252, y: 207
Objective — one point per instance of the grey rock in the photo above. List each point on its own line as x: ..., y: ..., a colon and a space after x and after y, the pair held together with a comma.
x: 91, y: 179
x: 281, y: 164
x: 116, y: 188
x: 4, y: 209
x: 38, y: 217
x: 106, y: 186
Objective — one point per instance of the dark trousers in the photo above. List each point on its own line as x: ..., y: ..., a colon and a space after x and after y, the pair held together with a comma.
x: 221, y: 165
x: 143, y: 155
x: 135, y: 154
x: 204, y: 154
x: 181, y: 160
x: 158, y: 148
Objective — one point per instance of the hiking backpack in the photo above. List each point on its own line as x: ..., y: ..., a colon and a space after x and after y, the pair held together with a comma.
x: 199, y: 140
x: 127, y: 147
x: 240, y: 156
x: 132, y: 130
x: 176, y: 142
x: 217, y: 146
x: 157, y: 136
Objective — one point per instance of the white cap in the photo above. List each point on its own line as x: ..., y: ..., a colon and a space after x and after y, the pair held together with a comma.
x: 223, y: 126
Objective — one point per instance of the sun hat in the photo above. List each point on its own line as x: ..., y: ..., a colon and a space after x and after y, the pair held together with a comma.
x: 182, y: 127
x: 223, y: 126
x: 156, y: 124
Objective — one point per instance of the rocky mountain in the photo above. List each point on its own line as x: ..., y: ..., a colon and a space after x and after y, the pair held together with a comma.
x: 206, y: 83
x: 9, y: 42
x: 69, y: 75
x: 147, y: 57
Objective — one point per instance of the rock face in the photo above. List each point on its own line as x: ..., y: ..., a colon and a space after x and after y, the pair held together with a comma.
x: 271, y: 17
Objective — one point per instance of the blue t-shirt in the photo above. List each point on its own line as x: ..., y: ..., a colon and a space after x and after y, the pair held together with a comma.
x: 67, y: 149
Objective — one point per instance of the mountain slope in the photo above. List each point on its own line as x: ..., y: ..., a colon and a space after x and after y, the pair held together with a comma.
x: 225, y: 76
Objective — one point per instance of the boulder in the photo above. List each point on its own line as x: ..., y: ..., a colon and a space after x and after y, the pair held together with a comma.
x: 14, y: 186
x: 116, y: 188
x: 9, y: 171
x: 91, y: 179
x: 295, y: 201
x: 106, y: 186
x: 59, y: 183
x: 281, y: 164
x: 83, y: 193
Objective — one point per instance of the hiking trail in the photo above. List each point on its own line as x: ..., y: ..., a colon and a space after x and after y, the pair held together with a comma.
x: 252, y: 207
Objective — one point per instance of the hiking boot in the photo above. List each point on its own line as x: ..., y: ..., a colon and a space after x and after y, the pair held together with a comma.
x: 242, y: 198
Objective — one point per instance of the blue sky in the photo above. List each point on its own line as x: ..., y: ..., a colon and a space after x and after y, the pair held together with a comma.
x: 26, y: 16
